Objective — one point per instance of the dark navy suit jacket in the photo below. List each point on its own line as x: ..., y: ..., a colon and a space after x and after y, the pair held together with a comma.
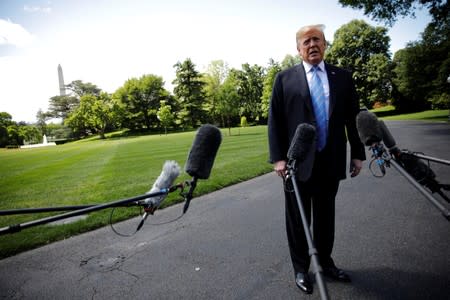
x: 291, y: 105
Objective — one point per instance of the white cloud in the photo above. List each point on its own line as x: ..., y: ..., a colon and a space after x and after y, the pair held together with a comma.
x: 14, y: 34
x: 33, y: 9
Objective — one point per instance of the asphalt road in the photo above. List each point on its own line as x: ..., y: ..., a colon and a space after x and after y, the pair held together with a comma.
x: 232, y: 244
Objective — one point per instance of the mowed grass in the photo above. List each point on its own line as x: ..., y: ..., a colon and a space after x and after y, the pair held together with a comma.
x: 101, y: 171
x: 429, y: 115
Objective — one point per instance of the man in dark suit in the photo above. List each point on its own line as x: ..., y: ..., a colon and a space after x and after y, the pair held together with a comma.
x: 323, y: 95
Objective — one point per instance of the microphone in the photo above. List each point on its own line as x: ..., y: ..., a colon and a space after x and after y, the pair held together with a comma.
x: 302, y: 142
x: 302, y: 150
x: 368, y: 127
x: 203, y: 151
x: 170, y: 171
x: 388, y: 139
x: 201, y: 157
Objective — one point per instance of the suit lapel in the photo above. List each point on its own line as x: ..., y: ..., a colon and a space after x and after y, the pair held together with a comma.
x: 332, y: 84
x: 304, y: 88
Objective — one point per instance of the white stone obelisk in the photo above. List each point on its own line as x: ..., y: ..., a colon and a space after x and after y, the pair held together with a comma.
x: 62, y: 89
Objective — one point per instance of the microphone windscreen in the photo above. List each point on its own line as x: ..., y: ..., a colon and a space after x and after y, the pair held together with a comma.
x: 302, y: 142
x: 368, y: 127
x: 203, y: 151
x: 170, y: 172
x: 388, y: 139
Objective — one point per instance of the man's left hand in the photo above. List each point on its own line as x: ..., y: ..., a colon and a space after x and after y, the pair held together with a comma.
x: 355, y: 167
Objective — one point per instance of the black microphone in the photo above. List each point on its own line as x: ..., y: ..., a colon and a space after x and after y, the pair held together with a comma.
x: 201, y: 157
x: 302, y: 150
x: 388, y: 139
x: 368, y: 128
x: 203, y: 151
x: 301, y: 143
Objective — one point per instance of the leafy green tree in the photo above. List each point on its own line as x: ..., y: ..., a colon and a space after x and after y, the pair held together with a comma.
x: 411, y: 88
x: 357, y: 46
x: 5, y: 122
x: 139, y: 100
x: 14, y: 137
x: 94, y: 114
x: 290, y: 61
x: 62, y: 106
x: 379, y: 79
x: 250, y: 81
x: 269, y: 79
x: 165, y: 115
x: 29, y: 133
x: 59, y: 131
x: 227, y: 105
x: 214, y: 77
x: 190, y: 94
x: 390, y: 10
x: 422, y: 68
x: 42, y: 118
x: 80, y: 88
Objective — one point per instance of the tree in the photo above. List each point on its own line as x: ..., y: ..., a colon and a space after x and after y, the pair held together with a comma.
x: 94, y: 114
x: 42, y: 118
x: 189, y: 92
x: 227, y: 105
x: 272, y: 72
x: 250, y: 81
x: 290, y: 61
x: 5, y: 122
x: 165, y: 115
x: 411, y: 87
x: 390, y: 10
x: 422, y: 68
x: 62, y: 106
x: 29, y: 133
x: 357, y: 46
x: 79, y: 88
x: 139, y: 100
x: 214, y: 77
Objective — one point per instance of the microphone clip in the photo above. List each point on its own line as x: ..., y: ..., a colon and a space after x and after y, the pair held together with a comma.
x: 189, y: 195
x: 381, y: 158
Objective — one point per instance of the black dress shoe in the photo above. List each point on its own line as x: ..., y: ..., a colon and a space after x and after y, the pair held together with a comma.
x: 303, y: 283
x: 336, y: 274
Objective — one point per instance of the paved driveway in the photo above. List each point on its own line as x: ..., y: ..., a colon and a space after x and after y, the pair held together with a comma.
x: 232, y: 244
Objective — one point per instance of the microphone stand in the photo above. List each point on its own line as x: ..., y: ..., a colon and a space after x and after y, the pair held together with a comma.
x: 18, y: 227
x: 380, y: 154
x: 317, y: 269
x: 445, y: 212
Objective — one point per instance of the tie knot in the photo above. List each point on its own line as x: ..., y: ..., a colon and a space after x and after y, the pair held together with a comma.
x: 315, y: 68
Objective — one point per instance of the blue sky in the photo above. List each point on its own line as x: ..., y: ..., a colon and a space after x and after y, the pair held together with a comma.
x: 106, y: 42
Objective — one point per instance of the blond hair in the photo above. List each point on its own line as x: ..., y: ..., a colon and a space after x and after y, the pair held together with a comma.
x: 301, y: 32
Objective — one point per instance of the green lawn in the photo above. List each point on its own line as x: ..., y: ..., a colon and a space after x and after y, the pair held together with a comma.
x: 388, y: 113
x: 99, y: 171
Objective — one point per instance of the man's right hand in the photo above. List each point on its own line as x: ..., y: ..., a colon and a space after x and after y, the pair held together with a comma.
x: 280, y: 168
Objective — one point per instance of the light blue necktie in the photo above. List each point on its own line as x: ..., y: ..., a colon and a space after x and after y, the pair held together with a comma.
x: 318, y: 100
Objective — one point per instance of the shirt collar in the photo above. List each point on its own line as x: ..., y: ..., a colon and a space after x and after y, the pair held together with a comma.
x: 309, y: 66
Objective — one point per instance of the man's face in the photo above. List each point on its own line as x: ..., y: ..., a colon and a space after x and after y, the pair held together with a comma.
x: 312, y: 46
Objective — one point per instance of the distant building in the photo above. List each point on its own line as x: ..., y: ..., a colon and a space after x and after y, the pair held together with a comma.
x: 62, y: 88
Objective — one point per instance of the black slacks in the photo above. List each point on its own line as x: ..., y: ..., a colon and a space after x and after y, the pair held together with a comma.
x: 317, y: 196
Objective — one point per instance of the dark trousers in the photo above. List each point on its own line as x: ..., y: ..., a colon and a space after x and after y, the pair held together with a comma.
x: 317, y: 196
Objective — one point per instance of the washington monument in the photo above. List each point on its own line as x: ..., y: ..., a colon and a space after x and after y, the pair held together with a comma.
x: 62, y: 89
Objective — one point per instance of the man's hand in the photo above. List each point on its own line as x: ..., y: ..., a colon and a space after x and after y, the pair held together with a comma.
x: 355, y: 167
x: 280, y: 168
